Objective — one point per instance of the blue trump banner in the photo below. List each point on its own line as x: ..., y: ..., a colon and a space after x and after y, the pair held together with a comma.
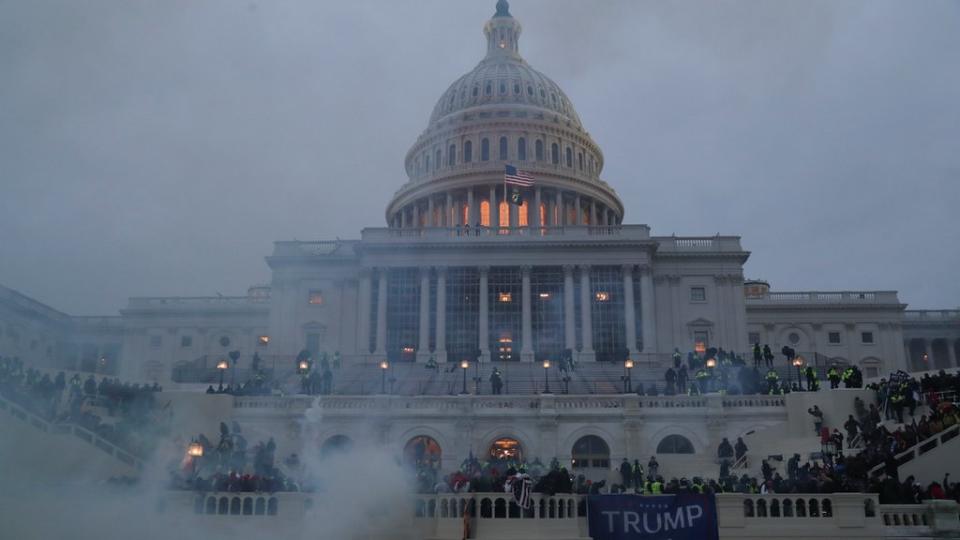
x: 659, y: 517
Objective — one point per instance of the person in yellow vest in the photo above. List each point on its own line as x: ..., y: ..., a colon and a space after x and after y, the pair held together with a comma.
x: 833, y: 375
x: 703, y: 381
x: 656, y: 488
x: 772, y: 379
x: 813, y: 384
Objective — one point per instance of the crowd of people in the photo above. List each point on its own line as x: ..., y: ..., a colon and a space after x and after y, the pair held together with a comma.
x: 128, y: 415
x: 231, y: 465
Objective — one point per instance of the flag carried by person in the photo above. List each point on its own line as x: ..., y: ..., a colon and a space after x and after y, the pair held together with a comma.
x: 521, y: 485
x: 517, y: 179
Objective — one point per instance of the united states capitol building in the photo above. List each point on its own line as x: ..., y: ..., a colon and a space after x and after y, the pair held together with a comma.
x: 461, y: 274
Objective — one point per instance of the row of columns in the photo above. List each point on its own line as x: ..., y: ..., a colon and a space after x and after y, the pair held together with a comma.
x: 451, y: 210
x: 951, y: 346
x: 647, y: 307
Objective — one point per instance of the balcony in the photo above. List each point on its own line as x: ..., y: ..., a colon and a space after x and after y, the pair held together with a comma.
x: 827, y: 298
x: 623, y: 233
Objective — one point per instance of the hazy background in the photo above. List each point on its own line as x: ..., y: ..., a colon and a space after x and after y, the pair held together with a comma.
x: 159, y: 147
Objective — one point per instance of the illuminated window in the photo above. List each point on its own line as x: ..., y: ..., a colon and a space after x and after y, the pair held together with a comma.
x: 602, y: 296
x: 465, y: 214
x: 544, y: 296
x: 315, y: 297
x: 485, y: 213
x: 543, y: 215
x: 505, y: 297
x: 504, y: 214
x: 523, y: 215
x: 263, y: 341
x: 506, y: 450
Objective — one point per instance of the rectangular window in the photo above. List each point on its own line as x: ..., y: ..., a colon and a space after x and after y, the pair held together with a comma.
x: 156, y: 341
x: 833, y: 338
x: 546, y: 287
x: 866, y: 337
x: 315, y: 297
x: 698, y: 294
x: 504, y: 293
x: 186, y: 341
x: 753, y: 337
x: 702, y: 336
x: 606, y: 311
x: 463, y: 314
x: 403, y: 314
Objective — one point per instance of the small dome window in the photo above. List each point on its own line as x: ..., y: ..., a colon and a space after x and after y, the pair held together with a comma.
x: 516, y: 88
x: 503, y: 88
x: 488, y: 89
x: 554, y: 98
x: 476, y: 91
x: 543, y: 93
x: 467, y: 152
x: 569, y: 157
x: 522, y: 149
x: 530, y: 91
x: 555, y: 154
x: 485, y: 149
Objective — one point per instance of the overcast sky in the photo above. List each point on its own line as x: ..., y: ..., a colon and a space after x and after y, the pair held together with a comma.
x: 159, y: 148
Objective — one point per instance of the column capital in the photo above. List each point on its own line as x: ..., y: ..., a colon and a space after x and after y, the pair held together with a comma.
x: 644, y: 268
x: 584, y: 267
x: 440, y: 270
x: 627, y: 268
x: 568, y: 268
x: 483, y: 269
x: 525, y: 269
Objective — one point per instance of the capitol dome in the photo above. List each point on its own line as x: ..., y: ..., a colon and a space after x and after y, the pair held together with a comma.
x: 504, y: 113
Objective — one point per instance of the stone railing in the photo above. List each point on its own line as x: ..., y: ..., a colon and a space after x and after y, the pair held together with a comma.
x: 674, y: 244
x: 932, y: 315
x: 505, y: 234
x: 81, y: 433
x: 154, y: 302
x: 827, y: 297
x: 921, y: 448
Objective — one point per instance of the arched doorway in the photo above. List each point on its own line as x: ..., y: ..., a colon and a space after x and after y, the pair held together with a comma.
x: 590, y: 452
x: 506, y: 450
x: 675, y: 444
x: 422, y: 451
x: 338, y: 444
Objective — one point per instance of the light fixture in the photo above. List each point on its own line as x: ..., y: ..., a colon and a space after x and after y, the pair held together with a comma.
x: 506, y: 297
x: 195, y: 449
x: 264, y: 340
x: 546, y: 364
x: 798, y: 361
x: 408, y: 350
x: 464, y: 364
x: 222, y: 365
x: 384, y: 365
x: 602, y: 296
x: 711, y: 363
x: 700, y: 347
x: 304, y: 365
x: 628, y: 364
x: 544, y: 296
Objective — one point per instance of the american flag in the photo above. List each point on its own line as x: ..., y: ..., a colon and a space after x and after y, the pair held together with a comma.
x: 516, y: 177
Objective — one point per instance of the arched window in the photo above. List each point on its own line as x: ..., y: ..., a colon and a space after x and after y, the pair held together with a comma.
x: 543, y: 214
x: 522, y: 215
x: 476, y: 91
x: 488, y: 89
x: 591, y: 451
x: 338, y: 444
x: 503, y: 148
x: 438, y: 161
x: 503, y: 88
x: 569, y: 157
x: 485, y: 213
x: 504, y: 214
x: 422, y: 451
x: 538, y: 150
x: 555, y: 153
x: 516, y: 89
x: 522, y: 149
x: 529, y: 90
x: 485, y: 149
x: 506, y: 449
x: 452, y: 155
x: 580, y: 159
x: 675, y: 444
x: 467, y: 152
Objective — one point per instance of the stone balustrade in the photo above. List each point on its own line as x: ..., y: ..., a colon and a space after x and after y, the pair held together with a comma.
x: 831, y: 297
x: 505, y: 234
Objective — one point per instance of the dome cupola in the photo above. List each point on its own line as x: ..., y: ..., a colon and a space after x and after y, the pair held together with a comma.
x: 504, y: 113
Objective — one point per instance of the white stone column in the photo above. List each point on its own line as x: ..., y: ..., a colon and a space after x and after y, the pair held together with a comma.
x: 569, y: 310
x: 423, y: 343
x: 363, y: 324
x: 535, y: 217
x: 629, y: 310
x: 381, y: 347
x: 441, y: 344
x: 447, y: 208
x: 472, y: 218
x: 416, y: 215
x: 430, y: 211
x: 526, y: 349
x: 593, y: 213
x: 561, y: 212
x: 484, y: 330
x: 586, y: 317
x: 514, y: 215
x: 494, y: 208
x: 576, y: 205
x: 648, y: 311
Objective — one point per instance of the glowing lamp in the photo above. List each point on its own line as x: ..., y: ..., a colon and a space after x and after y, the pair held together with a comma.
x: 506, y: 297
x: 798, y: 361
x: 304, y: 365
x: 264, y: 340
x: 544, y: 296
x: 195, y: 450
x: 408, y: 350
x: 464, y: 364
x: 602, y: 296
x: 546, y: 364
x: 628, y: 364
x: 711, y: 362
x: 384, y: 365
x: 222, y: 365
